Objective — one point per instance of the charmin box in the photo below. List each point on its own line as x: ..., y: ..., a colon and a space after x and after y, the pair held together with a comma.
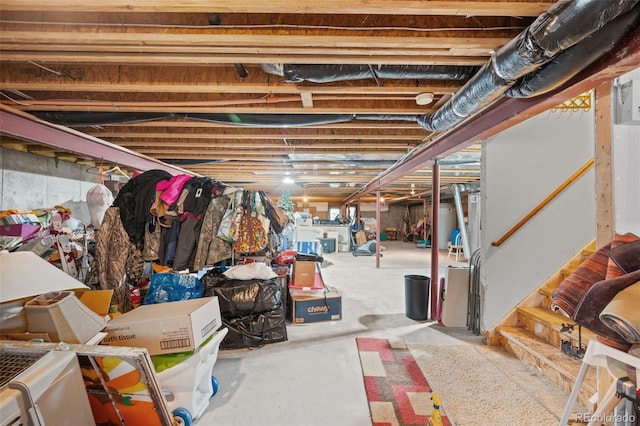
x: 165, y: 328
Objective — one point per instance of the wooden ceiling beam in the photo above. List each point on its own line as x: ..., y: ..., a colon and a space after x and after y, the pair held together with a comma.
x: 210, y: 80
x: 186, y: 59
x: 309, y: 51
x: 373, y: 7
x: 146, y: 39
x: 391, y: 108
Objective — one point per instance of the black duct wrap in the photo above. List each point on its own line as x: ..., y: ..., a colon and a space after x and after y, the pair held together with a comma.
x: 272, y: 120
x: 566, y: 24
x: 570, y: 62
x: 326, y: 73
x: 240, y: 298
x: 75, y: 119
x: 82, y: 118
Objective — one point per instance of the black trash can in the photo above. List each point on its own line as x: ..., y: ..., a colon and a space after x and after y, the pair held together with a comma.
x: 416, y: 296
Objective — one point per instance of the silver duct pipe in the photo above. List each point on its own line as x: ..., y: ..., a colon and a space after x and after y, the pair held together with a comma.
x: 457, y: 199
x: 573, y: 60
x: 564, y: 25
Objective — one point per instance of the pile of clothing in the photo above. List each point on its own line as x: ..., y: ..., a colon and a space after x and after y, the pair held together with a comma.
x: 179, y: 222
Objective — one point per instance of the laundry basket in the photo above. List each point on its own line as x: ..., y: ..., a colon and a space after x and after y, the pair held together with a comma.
x: 190, y: 384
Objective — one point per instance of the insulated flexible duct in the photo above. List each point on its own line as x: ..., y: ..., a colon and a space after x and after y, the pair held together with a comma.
x: 82, y: 118
x: 573, y: 60
x: 296, y: 73
x: 273, y: 120
x: 563, y: 26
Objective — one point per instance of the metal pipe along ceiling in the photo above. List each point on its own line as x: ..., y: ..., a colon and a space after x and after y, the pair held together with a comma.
x: 563, y: 26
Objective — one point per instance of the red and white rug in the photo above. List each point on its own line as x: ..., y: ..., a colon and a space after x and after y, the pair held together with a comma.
x: 397, y: 391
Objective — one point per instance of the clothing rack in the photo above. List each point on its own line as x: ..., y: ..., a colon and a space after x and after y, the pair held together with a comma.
x: 116, y: 170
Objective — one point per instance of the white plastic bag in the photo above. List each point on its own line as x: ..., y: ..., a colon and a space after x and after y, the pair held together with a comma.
x: 250, y: 271
x: 99, y: 199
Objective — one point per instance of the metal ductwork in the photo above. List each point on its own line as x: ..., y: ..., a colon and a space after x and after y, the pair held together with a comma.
x: 457, y: 199
x: 563, y: 26
x: 296, y: 73
x: 573, y: 60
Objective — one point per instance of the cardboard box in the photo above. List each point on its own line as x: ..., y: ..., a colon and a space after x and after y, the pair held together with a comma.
x: 327, y: 307
x: 304, y: 273
x: 166, y: 328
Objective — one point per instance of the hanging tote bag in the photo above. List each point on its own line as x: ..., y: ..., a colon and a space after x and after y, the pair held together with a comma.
x: 227, y: 229
x: 99, y: 199
x: 251, y: 235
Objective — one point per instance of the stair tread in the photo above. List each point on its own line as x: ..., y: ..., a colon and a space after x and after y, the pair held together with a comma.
x: 548, y: 354
x: 546, y: 290
x: 555, y: 321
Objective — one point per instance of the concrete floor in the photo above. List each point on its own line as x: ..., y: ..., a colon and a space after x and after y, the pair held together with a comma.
x: 315, y: 378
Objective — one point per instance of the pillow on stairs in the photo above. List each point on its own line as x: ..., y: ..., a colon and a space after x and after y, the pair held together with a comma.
x: 605, y: 263
x: 596, y: 298
x: 566, y: 297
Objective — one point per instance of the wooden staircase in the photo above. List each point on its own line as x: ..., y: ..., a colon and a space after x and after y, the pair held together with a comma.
x: 534, y: 333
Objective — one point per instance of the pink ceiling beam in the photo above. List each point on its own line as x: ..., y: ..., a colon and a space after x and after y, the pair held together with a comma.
x: 507, y: 112
x: 31, y: 129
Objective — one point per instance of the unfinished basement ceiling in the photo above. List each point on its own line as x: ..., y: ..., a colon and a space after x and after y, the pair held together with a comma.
x: 329, y: 95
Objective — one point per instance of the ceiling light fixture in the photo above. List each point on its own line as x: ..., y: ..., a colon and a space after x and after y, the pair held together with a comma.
x: 287, y: 180
x: 424, y: 98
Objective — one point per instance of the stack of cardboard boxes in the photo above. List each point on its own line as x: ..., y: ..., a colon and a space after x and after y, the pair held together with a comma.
x: 311, y: 299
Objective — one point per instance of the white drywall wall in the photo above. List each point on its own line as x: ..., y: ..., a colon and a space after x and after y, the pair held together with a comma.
x: 626, y: 168
x: 520, y: 168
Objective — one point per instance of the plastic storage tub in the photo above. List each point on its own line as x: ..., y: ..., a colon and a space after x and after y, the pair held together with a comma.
x: 190, y: 384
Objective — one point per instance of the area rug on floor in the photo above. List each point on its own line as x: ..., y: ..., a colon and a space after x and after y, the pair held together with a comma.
x: 397, y: 391
x: 474, y: 390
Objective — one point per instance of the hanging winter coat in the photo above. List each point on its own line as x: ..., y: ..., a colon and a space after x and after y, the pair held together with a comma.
x: 211, y: 249
x: 134, y: 201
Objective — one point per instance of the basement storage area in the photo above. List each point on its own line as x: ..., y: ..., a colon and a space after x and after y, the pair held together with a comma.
x: 361, y: 213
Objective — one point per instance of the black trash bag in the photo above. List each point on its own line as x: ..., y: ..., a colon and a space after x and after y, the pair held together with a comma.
x: 309, y: 257
x: 254, y: 331
x: 238, y: 298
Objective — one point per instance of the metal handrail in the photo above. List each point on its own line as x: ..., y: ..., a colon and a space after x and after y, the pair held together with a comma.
x: 544, y: 202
